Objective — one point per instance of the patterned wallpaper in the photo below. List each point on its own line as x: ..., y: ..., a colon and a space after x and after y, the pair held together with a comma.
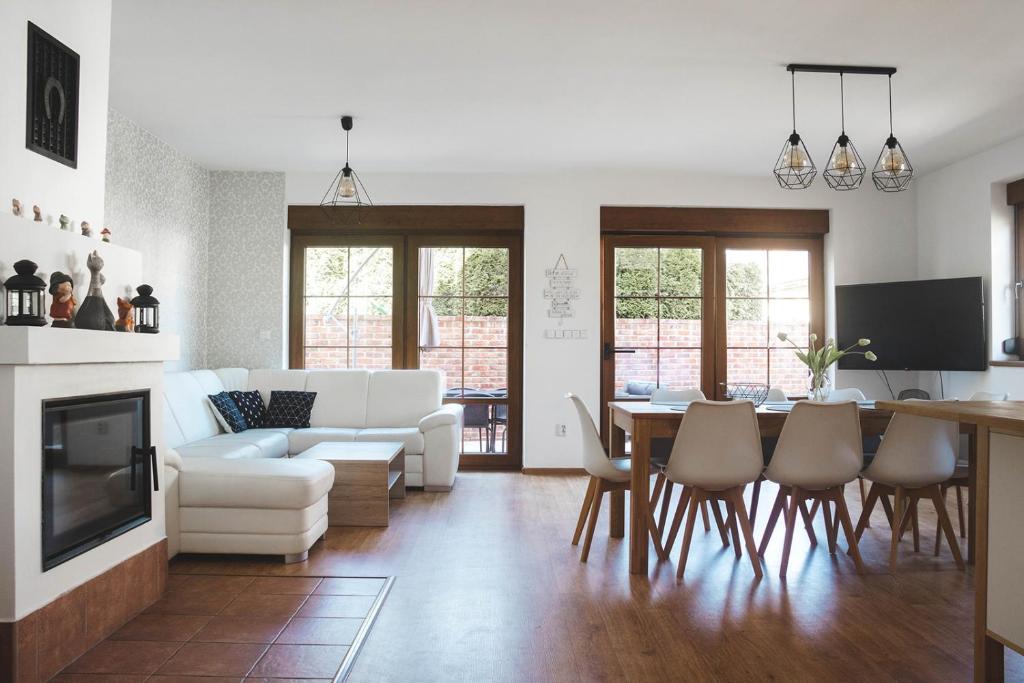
x: 247, y: 276
x: 158, y: 202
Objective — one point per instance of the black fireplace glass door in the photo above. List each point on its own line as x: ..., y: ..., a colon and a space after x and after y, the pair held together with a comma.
x: 96, y: 471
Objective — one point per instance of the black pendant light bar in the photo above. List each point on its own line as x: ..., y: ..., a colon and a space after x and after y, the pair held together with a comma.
x: 836, y: 69
x: 845, y: 170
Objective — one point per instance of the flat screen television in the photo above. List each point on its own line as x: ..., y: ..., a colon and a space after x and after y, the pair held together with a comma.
x: 918, y: 325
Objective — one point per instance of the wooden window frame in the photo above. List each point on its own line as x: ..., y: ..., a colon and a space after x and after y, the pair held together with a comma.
x: 406, y: 228
x: 1015, y: 198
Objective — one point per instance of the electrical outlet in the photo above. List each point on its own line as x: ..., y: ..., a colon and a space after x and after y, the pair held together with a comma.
x: 560, y: 430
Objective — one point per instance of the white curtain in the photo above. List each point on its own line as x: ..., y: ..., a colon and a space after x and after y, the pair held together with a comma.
x: 429, y: 330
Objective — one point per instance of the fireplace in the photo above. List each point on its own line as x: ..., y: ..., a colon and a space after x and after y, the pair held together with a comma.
x: 99, y: 471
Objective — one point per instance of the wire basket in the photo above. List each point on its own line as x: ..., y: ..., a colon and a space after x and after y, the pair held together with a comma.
x: 746, y: 392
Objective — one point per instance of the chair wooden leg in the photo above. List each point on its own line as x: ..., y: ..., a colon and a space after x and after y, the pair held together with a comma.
x: 947, y: 526
x: 684, y: 500
x: 755, y: 497
x: 794, y: 502
x: 808, y: 523
x: 595, y: 510
x: 894, y: 544
x: 938, y: 525
x: 588, y: 499
x: 666, y: 500
x: 655, y: 535
x: 869, y: 506
x: 887, y: 507
x: 843, y: 516
x: 704, y: 515
x: 830, y: 528
x: 914, y: 527
x: 748, y: 531
x: 696, y: 497
x: 960, y: 510
x: 863, y: 496
x: 723, y: 531
x: 777, y: 509
x: 659, y: 483
x: 730, y: 509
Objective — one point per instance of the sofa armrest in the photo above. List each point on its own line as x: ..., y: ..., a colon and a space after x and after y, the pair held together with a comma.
x: 172, y: 458
x: 448, y: 414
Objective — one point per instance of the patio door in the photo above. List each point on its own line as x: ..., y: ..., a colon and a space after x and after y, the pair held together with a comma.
x: 464, y: 313
x: 657, y: 315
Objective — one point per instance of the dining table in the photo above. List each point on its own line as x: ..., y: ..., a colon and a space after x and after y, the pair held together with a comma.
x: 644, y: 422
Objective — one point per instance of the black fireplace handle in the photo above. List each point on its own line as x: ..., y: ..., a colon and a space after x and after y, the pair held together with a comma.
x: 156, y: 475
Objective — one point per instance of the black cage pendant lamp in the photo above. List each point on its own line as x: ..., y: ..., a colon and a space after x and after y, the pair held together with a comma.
x: 794, y: 169
x: 892, y: 172
x: 845, y: 169
x: 346, y: 189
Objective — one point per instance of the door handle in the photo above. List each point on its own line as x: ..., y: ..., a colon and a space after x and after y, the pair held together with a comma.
x: 610, y: 350
x: 156, y: 475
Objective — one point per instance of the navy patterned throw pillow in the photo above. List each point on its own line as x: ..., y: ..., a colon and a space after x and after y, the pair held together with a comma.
x: 227, y: 413
x: 250, y: 403
x: 290, y: 409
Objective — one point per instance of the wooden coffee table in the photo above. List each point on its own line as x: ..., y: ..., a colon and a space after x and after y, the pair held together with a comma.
x: 367, y: 475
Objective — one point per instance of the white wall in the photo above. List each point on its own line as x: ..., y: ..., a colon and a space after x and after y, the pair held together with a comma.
x: 965, y: 228
x: 31, y: 177
x: 872, y: 239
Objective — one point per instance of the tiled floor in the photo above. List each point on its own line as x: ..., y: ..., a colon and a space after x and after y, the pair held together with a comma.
x: 215, y: 629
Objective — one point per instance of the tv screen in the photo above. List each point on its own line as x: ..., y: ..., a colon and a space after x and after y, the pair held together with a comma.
x: 919, y: 325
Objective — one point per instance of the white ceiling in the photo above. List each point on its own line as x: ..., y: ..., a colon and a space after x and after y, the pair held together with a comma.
x: 525, y: 85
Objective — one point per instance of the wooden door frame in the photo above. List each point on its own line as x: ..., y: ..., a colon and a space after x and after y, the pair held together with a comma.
x: 296, y: 288
x: 609, y: 242
x: 513, y: 460
x: 815, y: 247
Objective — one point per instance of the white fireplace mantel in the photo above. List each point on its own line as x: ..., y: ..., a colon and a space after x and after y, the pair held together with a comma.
x: 59, y: 346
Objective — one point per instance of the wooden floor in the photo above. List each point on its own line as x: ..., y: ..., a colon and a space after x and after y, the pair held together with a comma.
x: 488, y: 588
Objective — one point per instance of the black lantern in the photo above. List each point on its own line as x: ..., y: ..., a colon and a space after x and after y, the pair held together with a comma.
x: 346, y: 189
x: 147, y: 310
x: 892, y: 172
x: 845, y: 168
x: 794, y: 168
x: 25, y: 296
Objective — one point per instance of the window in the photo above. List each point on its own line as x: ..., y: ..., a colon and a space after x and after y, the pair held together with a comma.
x: 1015, y: 198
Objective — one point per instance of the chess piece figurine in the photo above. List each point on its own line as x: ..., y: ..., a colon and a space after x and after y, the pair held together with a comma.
x: 94, y: 313
x: 65, y: 222
x: 125, y: 322
x: 15, y: 207
x: 62, y: 308
x: 105, y: 234
x: 37, y: 213
x: 86, y: 229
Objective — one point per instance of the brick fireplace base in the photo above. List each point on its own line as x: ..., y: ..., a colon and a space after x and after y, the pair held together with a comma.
x: 36, y: 647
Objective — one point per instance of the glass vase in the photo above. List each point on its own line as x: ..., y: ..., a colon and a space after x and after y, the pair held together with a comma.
x: 819, y: 387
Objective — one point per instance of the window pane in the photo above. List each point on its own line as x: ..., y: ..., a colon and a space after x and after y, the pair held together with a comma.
x: 792, y: 316
x: 788, y: 273
x: 326, y: 322
x: 371, y: 271
x: 370, y: 321
x: 486, y: 272
x: 447, y: 271
x: 449, y: 321
x: 636, y: 272
x: 486, y: 370
x: 747, y: 365
x: 487, y: 322
x: 747, y: 322
x: 377, y: 358
x: 448, y: 361
x: 326, y: 358
x: 636, y: 322
x: 680, y: 272
x: 746, y: 273
x: 679, y: 368
x: 788, y: 373
x: 326, y: 271
x: 680, y: 323
x: 636, y: 374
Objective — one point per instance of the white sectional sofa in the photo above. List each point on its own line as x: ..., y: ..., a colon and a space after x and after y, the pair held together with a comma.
x: 241, y: 493
x: 350, y: 405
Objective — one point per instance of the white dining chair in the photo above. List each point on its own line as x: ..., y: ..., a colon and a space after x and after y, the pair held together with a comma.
x: 916, y: 456
x: 846, y: 394
x: 606, y: 474
x: 989, y: 396
x: 662, y: 490
x: 819, y: 451
x: 776, y: 395
x: 717, y: 452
